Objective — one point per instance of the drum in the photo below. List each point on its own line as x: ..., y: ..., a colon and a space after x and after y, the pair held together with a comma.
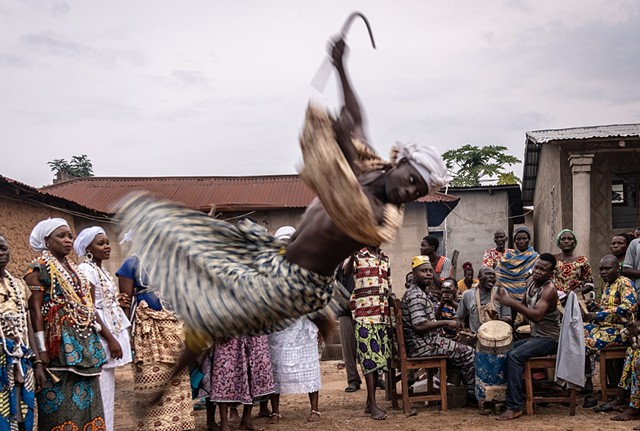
x: 494, y: 342
x: 523, y: 332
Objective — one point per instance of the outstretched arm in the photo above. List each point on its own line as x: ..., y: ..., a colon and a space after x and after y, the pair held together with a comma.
x: 350, y: 100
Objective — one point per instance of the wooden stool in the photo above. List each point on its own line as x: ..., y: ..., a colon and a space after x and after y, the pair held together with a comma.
x: 403, y: 363
x: 544, y: 362
x: 605, y: 355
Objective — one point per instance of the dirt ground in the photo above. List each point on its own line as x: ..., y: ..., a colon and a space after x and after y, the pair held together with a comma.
x: 344, y: 411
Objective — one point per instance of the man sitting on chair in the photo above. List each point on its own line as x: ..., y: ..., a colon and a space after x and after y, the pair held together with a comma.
x: 539, y: 306
x: 423, y: 334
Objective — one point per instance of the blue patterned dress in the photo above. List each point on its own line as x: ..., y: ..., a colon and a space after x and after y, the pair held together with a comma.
x: 75, y: 356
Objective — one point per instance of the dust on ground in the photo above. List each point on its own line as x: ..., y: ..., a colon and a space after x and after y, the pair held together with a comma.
x: 345, y: 411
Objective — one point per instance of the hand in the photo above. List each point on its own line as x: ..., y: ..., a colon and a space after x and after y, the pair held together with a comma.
x: 337, y: 52
x: 453, y: 324
x: 115, y: 349
x: 590, y: 317
x: 40, y: 376
x: 493, y: 314
x: 124, y: 300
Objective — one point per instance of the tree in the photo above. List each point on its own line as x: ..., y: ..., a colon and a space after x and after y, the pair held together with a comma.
x: 470, y: 164
x: 79, y: 166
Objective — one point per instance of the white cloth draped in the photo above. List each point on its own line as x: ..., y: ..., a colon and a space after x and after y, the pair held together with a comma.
x: 571, y: 353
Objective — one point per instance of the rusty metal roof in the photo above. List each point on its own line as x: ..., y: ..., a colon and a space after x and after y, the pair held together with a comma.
x: 227, y: 193
x: 10, y: 188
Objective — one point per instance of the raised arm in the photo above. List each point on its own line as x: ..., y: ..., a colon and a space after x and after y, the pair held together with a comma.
x: 547, y: 302
x: 350, y: 100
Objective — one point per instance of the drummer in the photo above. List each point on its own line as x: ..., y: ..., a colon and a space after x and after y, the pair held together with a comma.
x: 479, y: 304
x: 422, y: 330
x: 539, y: 304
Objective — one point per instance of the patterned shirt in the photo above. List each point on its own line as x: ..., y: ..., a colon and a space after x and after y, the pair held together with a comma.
x: 570, y: 275
x: 491, y: 257
x: 369, y: 302
x: 618, y: 302
x: 417, y: 308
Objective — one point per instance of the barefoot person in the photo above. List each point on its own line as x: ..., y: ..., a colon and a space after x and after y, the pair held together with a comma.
x: 370, y: 307
x: 539, y: 304
x: 629, y: 382
x: 213, y: 271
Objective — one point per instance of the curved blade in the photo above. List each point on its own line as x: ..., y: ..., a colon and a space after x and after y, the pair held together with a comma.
x: 321, y: 77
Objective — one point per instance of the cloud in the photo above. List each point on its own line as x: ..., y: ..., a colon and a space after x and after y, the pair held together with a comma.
x: 51, y: 44
x: 13, y: 60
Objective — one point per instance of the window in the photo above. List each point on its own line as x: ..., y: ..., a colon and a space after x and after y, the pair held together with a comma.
x: 624, y: 201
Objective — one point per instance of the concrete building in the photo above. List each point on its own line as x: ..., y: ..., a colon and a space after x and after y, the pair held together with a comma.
x: 585, y: 179
x: 470, y: 226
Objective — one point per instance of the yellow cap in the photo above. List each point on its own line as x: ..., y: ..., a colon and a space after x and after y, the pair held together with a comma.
x: 419, y: 260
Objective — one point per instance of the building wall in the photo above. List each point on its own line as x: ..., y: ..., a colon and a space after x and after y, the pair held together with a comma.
x: 17, y: 220
x: 604, y: 165
x: 470, y: 226
x: 548, y: 208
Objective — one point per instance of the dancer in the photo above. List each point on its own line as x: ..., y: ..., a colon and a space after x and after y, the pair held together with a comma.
x: 213, y: 271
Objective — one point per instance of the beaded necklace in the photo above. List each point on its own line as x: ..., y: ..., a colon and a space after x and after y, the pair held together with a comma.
x: 75, y: 293
x: 14, y: 325
x: 109, y: 298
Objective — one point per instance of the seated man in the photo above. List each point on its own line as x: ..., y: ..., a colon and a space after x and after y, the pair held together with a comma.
x: 479, y: 304
x: 539, y: 305
x: 423, y: 336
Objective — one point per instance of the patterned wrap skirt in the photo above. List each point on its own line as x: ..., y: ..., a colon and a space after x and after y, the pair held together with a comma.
x: 224, y: 280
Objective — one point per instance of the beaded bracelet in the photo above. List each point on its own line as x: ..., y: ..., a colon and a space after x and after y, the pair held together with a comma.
x: 34, y: 288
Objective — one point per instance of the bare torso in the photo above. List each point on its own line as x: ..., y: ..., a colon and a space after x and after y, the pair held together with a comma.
x: 318, y: 244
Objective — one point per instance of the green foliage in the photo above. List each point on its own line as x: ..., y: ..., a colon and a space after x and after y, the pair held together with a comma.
x: 79, y: 166
x: 470, y: 164
x: 508, y: 178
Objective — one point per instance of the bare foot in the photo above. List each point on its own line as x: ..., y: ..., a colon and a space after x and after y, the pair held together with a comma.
x: 234, y: 417
x: 509, y: 415
x: 314, y: 416
x: 627, y: 415
x: 378, y: 414
x: 250, y: 427
x: 214, y: 427
x: 274, y: 418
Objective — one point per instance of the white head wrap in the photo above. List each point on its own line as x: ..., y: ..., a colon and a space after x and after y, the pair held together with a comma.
x: 285, y: 232
x: 43, y: 230
x: 85, y: 238
x: 428, y: 162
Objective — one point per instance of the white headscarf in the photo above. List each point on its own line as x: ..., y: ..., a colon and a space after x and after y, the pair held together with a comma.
x: 428, y: 162
x: 43, y: 230
x: 285, y: 232
x: 85, y: 238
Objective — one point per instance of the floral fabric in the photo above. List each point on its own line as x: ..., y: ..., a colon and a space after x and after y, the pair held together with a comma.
x: 373, y: 346
x: 569, y: 275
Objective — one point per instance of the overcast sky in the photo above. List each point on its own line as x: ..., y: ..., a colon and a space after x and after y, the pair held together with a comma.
x: 166, y: 88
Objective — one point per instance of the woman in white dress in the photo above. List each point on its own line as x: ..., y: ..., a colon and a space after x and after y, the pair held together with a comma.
x: 294, y: 358
x: 92, y: 244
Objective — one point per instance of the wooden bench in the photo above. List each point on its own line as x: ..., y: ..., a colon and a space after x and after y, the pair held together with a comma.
x: 531, y: 399
x: 401, y: 364
x: 607, y: 354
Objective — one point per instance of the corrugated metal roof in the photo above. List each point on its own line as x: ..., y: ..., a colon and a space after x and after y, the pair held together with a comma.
x: 227, y: 193
x: 27, y: 193
x: 611, y: 131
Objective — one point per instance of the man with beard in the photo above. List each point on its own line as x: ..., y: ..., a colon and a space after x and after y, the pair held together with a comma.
x: 479, y: 304
x: 423, y: 335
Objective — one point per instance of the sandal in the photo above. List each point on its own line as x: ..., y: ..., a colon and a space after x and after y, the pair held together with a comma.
x: 353, y: 387
x: 313, y: 412
x: 274, y: 418
x: 607, y: 407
